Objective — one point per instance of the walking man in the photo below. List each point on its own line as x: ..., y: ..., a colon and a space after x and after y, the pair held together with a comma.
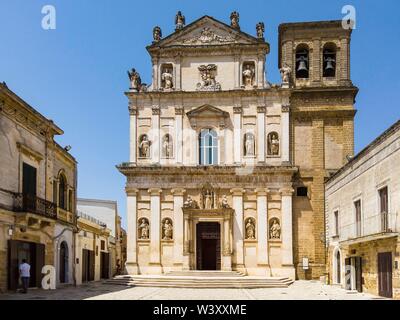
x: 24, y: 273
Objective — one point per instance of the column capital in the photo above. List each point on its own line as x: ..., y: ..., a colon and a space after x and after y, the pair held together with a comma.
x: 286, y: 191
x: 178, y: 191
x: 179, y: 111
x: 237, y: 191
x: 154, y: 191
x: 237, y: 110
x: 286, y: 108
x: 133, y: 111
x: 261, y: 109
x: 261, y: 191
x: 155, y: 111
x: 131, y: 191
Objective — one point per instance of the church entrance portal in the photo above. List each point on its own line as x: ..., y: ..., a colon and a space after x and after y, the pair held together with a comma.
x: 208, y: 246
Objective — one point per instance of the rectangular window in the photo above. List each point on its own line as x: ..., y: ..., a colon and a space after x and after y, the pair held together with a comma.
x: 70, y: 201
x: 384, y: 208
x: 357, y: 207
x: 336, y: 222
x: 28, y: 180
x: 103, y: 245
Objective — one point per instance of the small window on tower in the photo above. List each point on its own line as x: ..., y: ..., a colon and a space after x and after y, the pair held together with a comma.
x: 302, y: 62
x: 329, y: 60
x: 302, y: 192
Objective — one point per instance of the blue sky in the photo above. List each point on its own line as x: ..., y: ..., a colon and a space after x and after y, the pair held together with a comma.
x: 76, y: 74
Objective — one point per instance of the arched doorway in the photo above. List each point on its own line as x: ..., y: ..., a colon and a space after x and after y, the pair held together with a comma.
x: 63, y: 262
x: 338, y: 267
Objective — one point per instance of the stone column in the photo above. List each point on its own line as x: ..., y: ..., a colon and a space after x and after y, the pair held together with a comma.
x: 178, y: 226
x: 178, y: 135
x: 155, y: 136
x: 237, y: 135
x: 154, y: 61
x: 237, y: 194
x: 316, y: 61
x: 287, y: 227
x: 262, y: 227
x: 285, y: 145
x: 186, y: 243
x: 261, y: 133
x: 227, y: 251
x: 132, y: 134
x: 155, y: 226
x: 237, y: 74
x: 131, y: 250
x: 260, y: 71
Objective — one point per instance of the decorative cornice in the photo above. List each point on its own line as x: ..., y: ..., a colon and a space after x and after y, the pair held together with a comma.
x: 133, y: 111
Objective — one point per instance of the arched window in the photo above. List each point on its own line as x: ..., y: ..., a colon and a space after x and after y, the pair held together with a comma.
x: 302, y: 62
x: 329, y: 60
x: 208, y: 147
x: 62, y: 192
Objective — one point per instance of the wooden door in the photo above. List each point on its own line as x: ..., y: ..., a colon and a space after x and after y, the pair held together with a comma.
x: 85, y: 263
x: 385, y: 274
x: 208, y: 246
x: 104, y: 265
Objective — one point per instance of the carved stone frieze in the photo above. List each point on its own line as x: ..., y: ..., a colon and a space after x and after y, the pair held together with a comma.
x: 208, y: 36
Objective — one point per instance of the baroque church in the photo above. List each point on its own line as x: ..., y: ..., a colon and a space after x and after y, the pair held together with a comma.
x: 226, y: 170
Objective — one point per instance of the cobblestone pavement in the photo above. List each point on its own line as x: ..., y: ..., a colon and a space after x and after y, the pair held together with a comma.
x: 300, y: 290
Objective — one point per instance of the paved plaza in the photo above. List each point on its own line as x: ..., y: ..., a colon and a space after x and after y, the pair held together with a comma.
x: 299, y: 290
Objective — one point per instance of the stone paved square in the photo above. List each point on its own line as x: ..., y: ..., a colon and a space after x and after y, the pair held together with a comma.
x: 299, y: 290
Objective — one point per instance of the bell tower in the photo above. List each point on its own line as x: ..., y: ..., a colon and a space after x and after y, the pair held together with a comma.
x: 318, y: 53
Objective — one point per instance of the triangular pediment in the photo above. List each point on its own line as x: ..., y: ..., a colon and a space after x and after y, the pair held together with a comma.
x: 207, y: 111
x: 206, y: 31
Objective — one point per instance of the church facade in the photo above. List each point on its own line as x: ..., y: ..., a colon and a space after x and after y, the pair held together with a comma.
x: 226, y: 170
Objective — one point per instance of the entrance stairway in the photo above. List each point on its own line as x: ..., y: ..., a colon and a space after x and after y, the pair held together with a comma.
x: 201, y: 279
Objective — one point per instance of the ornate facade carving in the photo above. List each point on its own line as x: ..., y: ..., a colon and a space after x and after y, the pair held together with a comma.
x: 249, y: 144
x: 224, y: 202
x: 180, y: 21
x: 208, y: 82
x: 208, y: 36
x: 143, y: 229
x: 167, y: 146
x: 144, y: 146
x: 157, y: 34
x: 286, y: 73
x: 250, y: 229
x: 190, y: 203
x: 208, y: 197
x: 167, y: 78
x: 274, y: 229
x: 135, y: 80
x: 167, y: 229
x: 248, y: 74
x: 273, y: 144
x: 235, y: 20
x: 260, y: 30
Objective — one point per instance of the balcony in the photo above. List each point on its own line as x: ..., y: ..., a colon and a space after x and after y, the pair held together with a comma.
x: 375, y: 227
x: 33, y: 204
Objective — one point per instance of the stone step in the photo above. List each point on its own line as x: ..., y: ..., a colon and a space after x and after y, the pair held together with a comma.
x: 205, y: 273
x: 200, y: 281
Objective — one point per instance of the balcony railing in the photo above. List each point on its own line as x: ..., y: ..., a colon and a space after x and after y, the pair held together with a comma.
x: 378, y: 224
x: 34, y: 204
